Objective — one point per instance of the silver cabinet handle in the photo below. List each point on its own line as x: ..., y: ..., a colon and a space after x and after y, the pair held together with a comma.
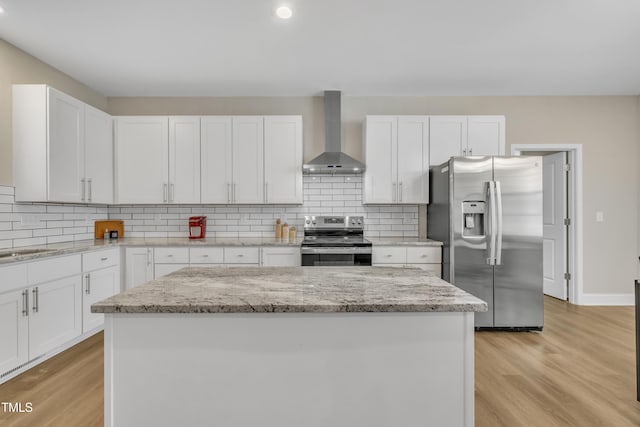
x: 205, y: 256
x: 172, y: 192
x: 240, y: 255
x: 400, y: 190
x: 164, y: 192
x: 228, y: 192
x: 266, y: 199
x: 25, y: 303
x: 499, y: 221
x: 170, y: 255
x: 88, y: 290
x: 471, y: 151
x: 235, y: 197
x: 35, y: 300
x: 83, y: 189
x: 104, y: 259
x: 393, y: 193
x: 89, y: 181
x: 464, y: 152
x: 148, y: 257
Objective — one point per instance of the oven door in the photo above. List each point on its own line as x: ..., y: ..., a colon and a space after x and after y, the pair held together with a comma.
x: 324, y: 256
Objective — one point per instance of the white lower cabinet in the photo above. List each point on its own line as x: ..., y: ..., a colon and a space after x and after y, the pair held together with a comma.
x: 243, y: 256
x: 428, y: 258
x: 138, y: 266
x: 98, y: 285
x: 281, y: 257
x: 56, y: 314
x: 14, y: 330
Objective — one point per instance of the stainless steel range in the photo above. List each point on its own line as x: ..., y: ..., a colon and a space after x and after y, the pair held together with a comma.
x: 335, y: 241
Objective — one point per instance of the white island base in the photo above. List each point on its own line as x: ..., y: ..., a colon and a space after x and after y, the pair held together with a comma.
x: 289, y: 369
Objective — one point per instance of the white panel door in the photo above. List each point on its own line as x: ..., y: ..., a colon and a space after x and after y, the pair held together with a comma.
x: 381, y: 175
x: 447, y: 138
x: 14, y: 330
x: 142, y: 159
x: 283, y: 159
x: 248, y: 159
x: 56, y: 314
x: 66, y: 148
x: 413, y: 159
x: 485, y: 136
x: 184, y: 159
x: 138, y: 266
x: 98, y: 143
x: 554, y: 181
x: 216, y: 159
x: 98, y: 285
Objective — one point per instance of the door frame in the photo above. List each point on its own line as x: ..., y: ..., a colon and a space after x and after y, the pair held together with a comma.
x: 574, y: 263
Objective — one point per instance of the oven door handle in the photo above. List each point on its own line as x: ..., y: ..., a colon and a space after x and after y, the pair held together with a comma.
x: 335, y: 250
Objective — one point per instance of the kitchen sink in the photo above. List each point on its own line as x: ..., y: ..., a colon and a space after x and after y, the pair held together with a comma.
x: 19, y: 252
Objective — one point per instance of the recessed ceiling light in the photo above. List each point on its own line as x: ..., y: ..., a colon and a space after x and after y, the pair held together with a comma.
x: 284, y: 12
x: 1, y: 9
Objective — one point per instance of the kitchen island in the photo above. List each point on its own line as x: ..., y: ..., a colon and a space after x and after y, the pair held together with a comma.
x: 315, y: 346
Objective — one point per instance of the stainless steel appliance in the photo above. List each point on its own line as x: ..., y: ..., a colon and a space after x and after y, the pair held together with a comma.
x: 488, y: 213
x: 335, y: 241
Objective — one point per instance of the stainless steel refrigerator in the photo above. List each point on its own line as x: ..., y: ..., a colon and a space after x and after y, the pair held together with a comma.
x: 488, y: 213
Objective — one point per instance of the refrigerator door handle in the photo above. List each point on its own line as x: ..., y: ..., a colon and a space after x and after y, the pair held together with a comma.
x: 498, y: 253
x: 492, y: 217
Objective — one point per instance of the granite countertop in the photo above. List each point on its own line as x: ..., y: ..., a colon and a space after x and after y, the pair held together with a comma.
x: 66, y: 248
x: 403, y: 241
x: 293, y: 290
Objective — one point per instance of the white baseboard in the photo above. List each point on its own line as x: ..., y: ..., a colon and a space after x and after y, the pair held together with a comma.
x: 607, y: 299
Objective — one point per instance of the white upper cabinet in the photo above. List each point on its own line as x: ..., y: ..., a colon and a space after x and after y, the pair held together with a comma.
x: 142, y: 159
x: 184, y: 160
x: 447, y: 138
x: 397, y: 159
x: 216, y: 159
x: 485, y: 136
x: 283, y: 159
x: 465, y: 136
x: 251, y: 159
x: 248, y: 159
x: 98, y: 142
x: 62, y: 148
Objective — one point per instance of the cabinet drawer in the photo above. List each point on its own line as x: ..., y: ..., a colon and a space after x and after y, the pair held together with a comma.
x: 13, y: 277
x: 100, y: 259
x: 206, y: 255
x: 389, y: 255
x: 241, y: 255
x: 422, y: 254
x: 55, y: 268
x: 171, y: 255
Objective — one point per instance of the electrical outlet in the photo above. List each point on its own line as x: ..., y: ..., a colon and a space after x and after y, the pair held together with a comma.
x: 599, y: 216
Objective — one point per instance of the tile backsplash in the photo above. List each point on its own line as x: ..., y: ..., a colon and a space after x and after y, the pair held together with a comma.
x: 23, y: 224
x: 26, y: 224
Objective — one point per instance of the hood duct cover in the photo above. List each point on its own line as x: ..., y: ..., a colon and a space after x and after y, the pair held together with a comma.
x: 333, y: 160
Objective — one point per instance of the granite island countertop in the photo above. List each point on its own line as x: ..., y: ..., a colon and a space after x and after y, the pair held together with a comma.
x: 293, y: 290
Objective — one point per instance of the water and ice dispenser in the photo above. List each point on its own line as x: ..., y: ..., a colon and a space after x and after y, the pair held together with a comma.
x: 473, y: 219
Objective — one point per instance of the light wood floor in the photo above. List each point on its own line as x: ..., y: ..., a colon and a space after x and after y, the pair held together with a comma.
x: 579, y: 372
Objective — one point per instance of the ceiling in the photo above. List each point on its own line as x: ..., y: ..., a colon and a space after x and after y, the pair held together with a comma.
x: 362, y: 47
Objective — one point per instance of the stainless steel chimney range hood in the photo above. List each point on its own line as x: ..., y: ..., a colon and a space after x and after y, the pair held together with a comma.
x: 333, y: 160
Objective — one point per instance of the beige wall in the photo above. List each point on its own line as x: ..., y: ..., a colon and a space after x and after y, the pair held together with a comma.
x: 16, y: 66
x: 607, y: 127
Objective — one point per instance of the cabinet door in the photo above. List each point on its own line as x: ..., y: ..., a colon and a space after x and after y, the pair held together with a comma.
x: 486, y: 135
x: 56, y: 314
x: 281, y: 257
x: 248, y: 159
x: 142, y: 159
x: 14, y: 330
x: 447, y: 138
x: 138, y: 266
x: 216, y: 159
x: 98, y: 285
x: 66, y: 148
x: 381, y: 175
x: 413, y: 159
x: 283, y: 159
x: 98, y: 143
x: 184, y: 159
